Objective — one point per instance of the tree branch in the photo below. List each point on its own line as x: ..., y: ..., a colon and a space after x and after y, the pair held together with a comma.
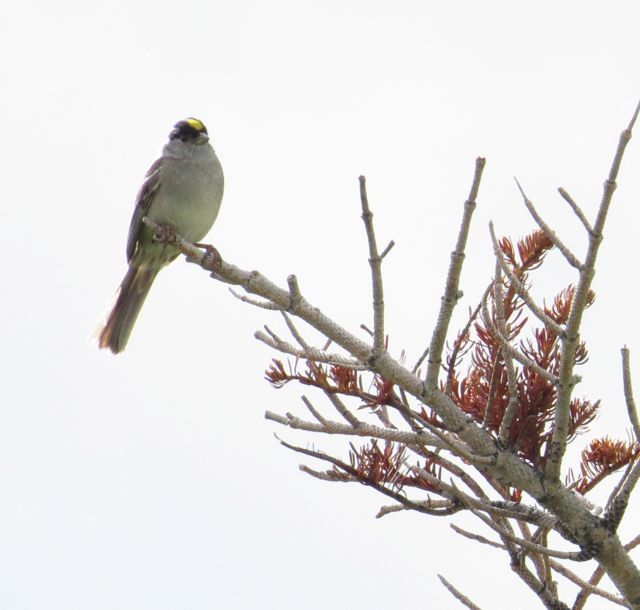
x: 571, y: 340
x: 452, y: 292
x: 628, y: 394
x: 459, y: 596
x: 375, y: 261
x: 549, y: 232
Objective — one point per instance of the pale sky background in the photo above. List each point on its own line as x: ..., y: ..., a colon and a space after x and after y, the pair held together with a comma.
x: 151, y: 480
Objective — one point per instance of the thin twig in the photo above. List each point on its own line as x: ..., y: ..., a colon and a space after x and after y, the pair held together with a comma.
x: 531, y: 546
x: 255, y: 302
x: 628, y: 393
x: 294, y: 331
x: 549, y: 232
x: 310, y: 353
x: 576, y: 209
x: 507, y: 348
x: 342, y: 409
x: 575, y: 579
x: 549, y: 597
x: 454, y: 445
x: 456, y: 348
x: 476, y: 537
x: 362, y: 429
x: 512, y: 382
x: 521, y: 290
x: 420, y: 360
x: 459, y: 596
x: 314, y: 411
x: 618, y: 506
x: 616, y: 490
x: 491, y: 394
x: 398, y: 497
x: 452, y: 286
x: 375, y: 261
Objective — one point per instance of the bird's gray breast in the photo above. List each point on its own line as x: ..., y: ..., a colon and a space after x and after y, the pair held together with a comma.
x: 190, y: 190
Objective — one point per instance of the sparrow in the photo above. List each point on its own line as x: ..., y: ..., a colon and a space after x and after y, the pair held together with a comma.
x: 182, y: 189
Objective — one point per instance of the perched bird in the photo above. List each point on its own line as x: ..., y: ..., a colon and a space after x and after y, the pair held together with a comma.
x: 182, y: 189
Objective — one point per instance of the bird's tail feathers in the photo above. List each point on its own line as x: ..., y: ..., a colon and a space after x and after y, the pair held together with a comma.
x: 113, y: 330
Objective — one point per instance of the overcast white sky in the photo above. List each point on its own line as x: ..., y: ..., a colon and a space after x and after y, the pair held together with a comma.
x: 151, y: 481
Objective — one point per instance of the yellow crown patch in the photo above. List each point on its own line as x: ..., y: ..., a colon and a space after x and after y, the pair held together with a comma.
x: 195, y: 123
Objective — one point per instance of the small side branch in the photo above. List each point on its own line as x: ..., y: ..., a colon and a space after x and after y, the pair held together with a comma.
x: 576, y: 210
x: 375, y: 261
x: 570, y: 344
x: 452, y: 288
x: 549, y: 232
x: 459, y: 596
x: 449, y: 509
x: 308, y: 353
x: 512, y: 405
x: 456, y: 348
x: 628, y: 393
x: 508, y: 349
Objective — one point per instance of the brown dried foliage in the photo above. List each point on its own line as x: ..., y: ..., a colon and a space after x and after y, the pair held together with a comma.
x: 334, y: 379
x: 388, y: 466
x: 483, y: 392
x: 602, y: 457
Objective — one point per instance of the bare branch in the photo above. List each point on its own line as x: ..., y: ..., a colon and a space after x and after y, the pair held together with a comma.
x: 294, y: 331
x: 456, y: 348
x: 493, y: 382
x: 417, y: 506
x: 576, y: 209
x: 571, y: 341
x: 455, y: 445
x: 508, y: 349
x: 596, y: 577
x: 452, y: 290
x: 386, y: 251
x: 362, y: 429
x: 310, y: 353
x: 476, y: 537
x: 512, y: 405
x: 531, y: 546
x: 314, y: 412
x: 430, y: 504
x: 574, y: 578
x: 388, y: 510
x: 628, y: 393
x: 375, y: 261
x: 255, y: 302
x: 547, y: 595
x: 549, y: 232
x: 420, y: 360
x: 342, y: 409
x: 459, y: 596
x: 324, y: 475
x: 618, y: 506
x: 294, y: 292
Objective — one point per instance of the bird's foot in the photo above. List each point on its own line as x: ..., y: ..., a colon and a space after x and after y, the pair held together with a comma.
x: 211, y: 257
x: 165, y: 234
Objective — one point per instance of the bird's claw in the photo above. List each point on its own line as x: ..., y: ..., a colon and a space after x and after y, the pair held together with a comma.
x: 164, y: 234
x: 211, y: 257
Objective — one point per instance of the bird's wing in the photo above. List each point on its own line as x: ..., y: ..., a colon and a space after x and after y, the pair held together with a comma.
x: 143, y: 201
